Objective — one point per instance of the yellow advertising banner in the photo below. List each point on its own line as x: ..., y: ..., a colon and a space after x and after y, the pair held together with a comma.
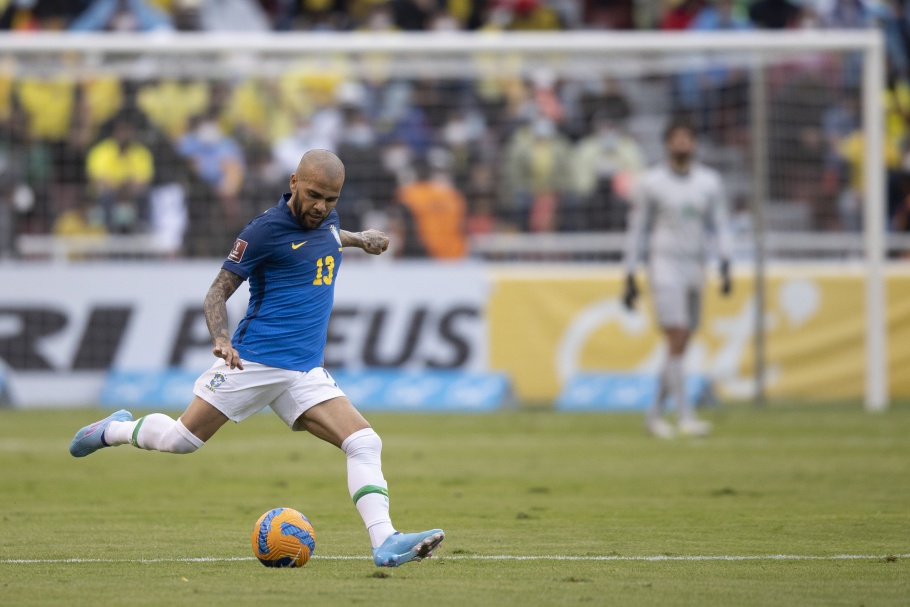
x: 547, y: 325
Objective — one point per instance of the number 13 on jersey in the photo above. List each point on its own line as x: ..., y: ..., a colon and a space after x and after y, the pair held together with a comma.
x: 328, y: 264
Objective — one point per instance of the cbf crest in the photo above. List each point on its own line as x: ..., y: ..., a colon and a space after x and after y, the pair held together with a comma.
x: 335, y: 233
x: 216, y: 381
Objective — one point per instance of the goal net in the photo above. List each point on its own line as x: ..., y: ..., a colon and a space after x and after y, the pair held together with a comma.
x: 163, y: 148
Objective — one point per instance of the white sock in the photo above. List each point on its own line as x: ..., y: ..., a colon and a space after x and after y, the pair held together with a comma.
x: 656, y: 410
x: 366, y: 484
x: 676, y: 384
x: 155, y: 432
x: 118, y: 433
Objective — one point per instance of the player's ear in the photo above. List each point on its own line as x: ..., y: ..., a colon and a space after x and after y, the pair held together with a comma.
x: 293, y: 184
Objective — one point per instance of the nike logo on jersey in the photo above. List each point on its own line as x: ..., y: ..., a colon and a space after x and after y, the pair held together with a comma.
x: 298, y: 245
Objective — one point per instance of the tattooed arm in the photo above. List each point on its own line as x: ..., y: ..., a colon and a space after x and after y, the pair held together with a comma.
x: 215, y: 308
x: 373, y: 242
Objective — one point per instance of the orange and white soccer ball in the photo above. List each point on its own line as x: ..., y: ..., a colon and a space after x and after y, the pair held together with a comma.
x: 283, y: 537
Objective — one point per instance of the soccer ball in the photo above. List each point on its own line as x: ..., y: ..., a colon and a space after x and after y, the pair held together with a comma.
x: 283, y: 537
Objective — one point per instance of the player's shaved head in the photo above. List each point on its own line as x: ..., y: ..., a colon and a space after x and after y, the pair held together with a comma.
x: 315, y: 187
x: 321, y: 163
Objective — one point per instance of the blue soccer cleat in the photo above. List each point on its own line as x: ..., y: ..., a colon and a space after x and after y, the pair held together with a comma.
x: 401, y: 548
x: 91, y: 438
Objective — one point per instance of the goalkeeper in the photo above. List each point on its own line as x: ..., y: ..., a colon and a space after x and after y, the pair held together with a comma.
x: 677, y: 205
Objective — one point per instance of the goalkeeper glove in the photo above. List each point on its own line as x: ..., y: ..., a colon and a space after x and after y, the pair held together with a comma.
x: 726, y: 284
x: 631, y: 293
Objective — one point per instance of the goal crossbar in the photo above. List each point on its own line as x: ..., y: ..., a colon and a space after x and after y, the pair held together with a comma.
x: 450, y: 42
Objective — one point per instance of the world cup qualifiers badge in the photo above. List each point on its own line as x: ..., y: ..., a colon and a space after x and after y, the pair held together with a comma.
x: 216, y: 381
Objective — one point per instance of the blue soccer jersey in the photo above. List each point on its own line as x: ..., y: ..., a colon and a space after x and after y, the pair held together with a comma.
x: 292, y: 273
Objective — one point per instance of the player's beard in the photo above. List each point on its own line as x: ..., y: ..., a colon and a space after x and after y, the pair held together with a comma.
x: 311, y: 224
x: 302, y: 218
x: 681, y: 160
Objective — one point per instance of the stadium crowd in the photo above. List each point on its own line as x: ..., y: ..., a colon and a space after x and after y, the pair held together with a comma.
x: 190, y: 160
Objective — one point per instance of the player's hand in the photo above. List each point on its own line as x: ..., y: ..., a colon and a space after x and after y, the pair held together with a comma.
x: 631, y: 293
x: 231, y: 357
x: 726, y: 283
x: 374, y: 242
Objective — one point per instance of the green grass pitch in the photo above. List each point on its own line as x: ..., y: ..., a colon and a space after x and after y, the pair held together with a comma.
x: 806, y: 481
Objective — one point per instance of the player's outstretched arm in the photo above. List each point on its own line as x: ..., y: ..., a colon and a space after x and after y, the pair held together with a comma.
x: 215, y: 309
x: 373, y: 242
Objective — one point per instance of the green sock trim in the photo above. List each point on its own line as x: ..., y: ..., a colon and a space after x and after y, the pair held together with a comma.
x: 135, y: 438
x: 370, y: 489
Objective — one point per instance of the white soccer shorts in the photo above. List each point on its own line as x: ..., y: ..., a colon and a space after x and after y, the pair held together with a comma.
x: 677, y: 305
x: 238, y: 394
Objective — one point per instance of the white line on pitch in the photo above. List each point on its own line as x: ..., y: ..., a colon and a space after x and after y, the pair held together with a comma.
x: 498, y: 557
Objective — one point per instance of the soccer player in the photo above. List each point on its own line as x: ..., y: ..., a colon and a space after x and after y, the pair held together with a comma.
x: 291, y: 254
x: 677, y: 204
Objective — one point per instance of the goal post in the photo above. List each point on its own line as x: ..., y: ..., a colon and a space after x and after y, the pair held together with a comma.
x: 566, y: 56
x: 874, y: 228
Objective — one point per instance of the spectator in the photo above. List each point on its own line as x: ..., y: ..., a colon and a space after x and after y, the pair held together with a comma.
x: 797, y: 144
x: 380, y: 18
x: 894, y: 20
x: 546, y: 101
x: 20, y: 16
x: 775, y: 14
x: 483, y: 200
x: 229, y: 15
x: 603, y: 97
x: 48, y: 105
x: 533, y: 15
x: 606, y: 165
x: 538, y: 173
x: 25, y: 177
x: 850, y: 202
x: 716, y: 94
x: 841, y: 118
x: 720, y: 15
x: 102, y: 98
x: 844, y: 14
x: 681, y: 15
x: 433, y: 211
x: 56, y: 115
x: 186, y: 15
x: 600, y: 14
x: 520, y: 15
x: 79, y: 220
x: 121, y: 16
x: 897, y: 116
x: 570, y: 13
x: 168, y: 217
x: 170, y: 104
x: 444, y: 21
x: 315, y: 15
x: 249, y: 110
x: 49, y: 15
x: 319, y: 131
x: 120, y: 170
x: 368, y: 184
x: 398, y: 159
x: 406, y: 108
x: 413, y: 15
x: 461, y: 133
x: 262, y: 173
x: 218, y: 160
